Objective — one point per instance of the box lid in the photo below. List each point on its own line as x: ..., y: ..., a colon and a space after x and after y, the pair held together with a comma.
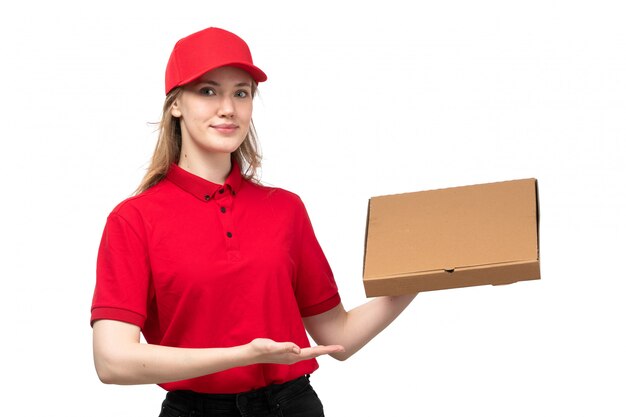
x: 447, y: 229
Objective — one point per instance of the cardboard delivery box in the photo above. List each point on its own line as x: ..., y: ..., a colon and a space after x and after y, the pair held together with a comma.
x: 453, y: 237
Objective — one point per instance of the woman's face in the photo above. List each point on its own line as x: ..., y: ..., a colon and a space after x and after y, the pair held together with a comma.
x: 215, y: 112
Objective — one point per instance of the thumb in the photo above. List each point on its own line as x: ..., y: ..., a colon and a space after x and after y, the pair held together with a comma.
x: 292, y: 348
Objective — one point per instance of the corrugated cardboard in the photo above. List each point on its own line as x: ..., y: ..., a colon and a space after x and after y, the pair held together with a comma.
x: 453, y: 237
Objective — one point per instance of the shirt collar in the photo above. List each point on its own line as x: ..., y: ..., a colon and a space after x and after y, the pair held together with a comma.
x: 201, y: 188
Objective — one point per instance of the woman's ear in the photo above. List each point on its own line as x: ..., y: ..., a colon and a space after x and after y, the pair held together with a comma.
x: 175, y: 109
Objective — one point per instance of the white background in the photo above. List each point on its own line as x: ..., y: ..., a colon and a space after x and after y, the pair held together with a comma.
x: 363, y: 99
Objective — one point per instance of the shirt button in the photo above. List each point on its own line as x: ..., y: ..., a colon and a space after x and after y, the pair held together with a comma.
x: 223, y: 209
x: 207, y: 197
x: 229, y: 234
x: 221, y: 191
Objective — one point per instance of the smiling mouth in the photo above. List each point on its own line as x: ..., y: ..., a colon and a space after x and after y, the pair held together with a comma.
x: 225, y: 128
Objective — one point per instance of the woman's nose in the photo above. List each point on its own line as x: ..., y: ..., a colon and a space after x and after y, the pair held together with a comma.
x: 227, y: 107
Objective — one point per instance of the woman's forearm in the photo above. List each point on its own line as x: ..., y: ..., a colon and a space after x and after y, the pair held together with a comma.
x: 153, y: 364
x: 121, y: 359
x: 354, y: 329
x: 366, y: 321
x: 126, y: 361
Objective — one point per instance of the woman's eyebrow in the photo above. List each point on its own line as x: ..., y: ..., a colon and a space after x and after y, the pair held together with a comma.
x: 216, y: 84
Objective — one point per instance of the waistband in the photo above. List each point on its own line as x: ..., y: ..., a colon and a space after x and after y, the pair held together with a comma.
x: 266, y: 396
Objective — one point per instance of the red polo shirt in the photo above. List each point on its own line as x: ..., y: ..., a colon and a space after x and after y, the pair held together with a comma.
x: 197, y: 264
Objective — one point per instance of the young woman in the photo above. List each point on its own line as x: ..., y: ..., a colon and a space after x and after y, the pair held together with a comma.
x: 223, y: 276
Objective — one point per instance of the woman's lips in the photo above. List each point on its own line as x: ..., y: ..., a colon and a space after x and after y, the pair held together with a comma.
x: 225, y: 128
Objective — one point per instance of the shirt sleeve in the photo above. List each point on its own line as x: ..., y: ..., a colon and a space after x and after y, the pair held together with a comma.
x: 122, y: 273
x: 316, y: 289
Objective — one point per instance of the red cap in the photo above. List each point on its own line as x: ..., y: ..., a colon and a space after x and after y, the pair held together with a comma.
x: 203, y: 51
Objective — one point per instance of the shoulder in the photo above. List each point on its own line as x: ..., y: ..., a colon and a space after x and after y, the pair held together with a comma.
x: 134, y: 208
x: 277, y: 195
x: 276, y: 202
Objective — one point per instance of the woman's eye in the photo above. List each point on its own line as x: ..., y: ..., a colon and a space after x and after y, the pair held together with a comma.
x: 207, y: 91
x: 241, y: 94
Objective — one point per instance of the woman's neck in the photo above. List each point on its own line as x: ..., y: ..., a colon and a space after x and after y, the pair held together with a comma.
x: 211, y: 167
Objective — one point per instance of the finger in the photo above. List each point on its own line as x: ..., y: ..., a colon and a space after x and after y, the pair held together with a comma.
x: 316, y: 351
x: 330, y: 348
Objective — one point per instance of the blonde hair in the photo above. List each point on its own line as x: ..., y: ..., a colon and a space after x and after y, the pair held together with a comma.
x: 167, y: 150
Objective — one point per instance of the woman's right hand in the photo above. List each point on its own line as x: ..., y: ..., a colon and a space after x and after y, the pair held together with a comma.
x: 286, y: 353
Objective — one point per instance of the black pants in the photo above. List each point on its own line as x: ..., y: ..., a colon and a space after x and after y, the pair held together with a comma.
x: 292, y: 399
